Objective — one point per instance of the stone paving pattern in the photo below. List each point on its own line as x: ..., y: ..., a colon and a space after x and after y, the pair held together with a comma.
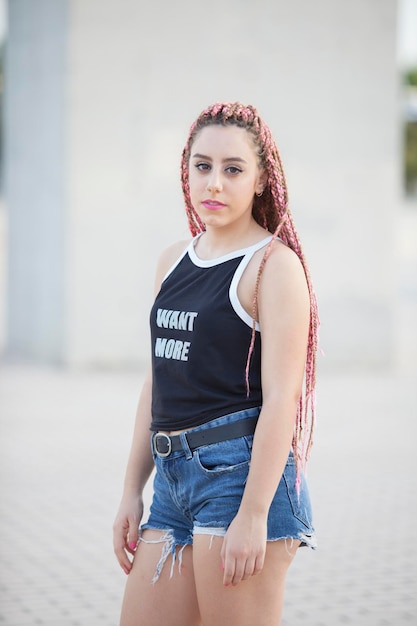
x: 64, y: 442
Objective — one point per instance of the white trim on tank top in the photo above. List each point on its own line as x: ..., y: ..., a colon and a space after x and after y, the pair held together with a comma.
x: 190, y: 248
x: 234, y: 299
x: 247, y: 254
x: 226, y: 257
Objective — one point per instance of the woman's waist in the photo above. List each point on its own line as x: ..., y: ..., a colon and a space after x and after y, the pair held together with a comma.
x: 231, y: 426
x: 212, y: 422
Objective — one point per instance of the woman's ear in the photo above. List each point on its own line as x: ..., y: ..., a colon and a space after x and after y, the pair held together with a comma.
x: 261, y: 184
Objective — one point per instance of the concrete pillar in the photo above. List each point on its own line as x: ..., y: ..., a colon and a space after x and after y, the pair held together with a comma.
x: 35, y: 116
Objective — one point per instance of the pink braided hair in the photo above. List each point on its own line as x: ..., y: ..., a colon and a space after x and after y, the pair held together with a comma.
x: 272, y: 213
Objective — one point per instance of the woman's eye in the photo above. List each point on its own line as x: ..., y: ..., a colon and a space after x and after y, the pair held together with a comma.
x: 203, y: 167
x: 233, y: 169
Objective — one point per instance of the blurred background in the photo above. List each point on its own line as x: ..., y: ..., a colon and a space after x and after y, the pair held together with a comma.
x: 96, y: 99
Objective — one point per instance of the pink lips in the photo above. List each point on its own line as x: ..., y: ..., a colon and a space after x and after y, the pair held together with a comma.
x: 212, y: 205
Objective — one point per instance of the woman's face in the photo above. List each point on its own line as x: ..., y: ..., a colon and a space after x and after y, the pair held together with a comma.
x: 224, y: 175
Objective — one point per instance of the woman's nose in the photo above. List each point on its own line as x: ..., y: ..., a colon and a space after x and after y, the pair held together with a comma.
x: 214, y: 181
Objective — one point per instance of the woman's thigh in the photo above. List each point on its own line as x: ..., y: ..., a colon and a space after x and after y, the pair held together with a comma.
x: 257, y: 600
x: 171, y: 599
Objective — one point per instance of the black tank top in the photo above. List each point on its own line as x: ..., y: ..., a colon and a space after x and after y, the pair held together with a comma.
x: 200, y: 341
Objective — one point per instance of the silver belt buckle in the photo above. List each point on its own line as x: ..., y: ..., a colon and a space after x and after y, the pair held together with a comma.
x: 169, y: 444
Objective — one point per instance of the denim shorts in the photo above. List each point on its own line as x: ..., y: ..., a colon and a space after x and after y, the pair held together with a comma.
x: 200, y: 492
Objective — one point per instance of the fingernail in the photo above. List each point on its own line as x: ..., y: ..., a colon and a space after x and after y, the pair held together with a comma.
x: 132, y: 545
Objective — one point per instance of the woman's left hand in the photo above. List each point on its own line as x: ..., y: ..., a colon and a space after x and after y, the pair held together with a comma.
x: 244, y: 547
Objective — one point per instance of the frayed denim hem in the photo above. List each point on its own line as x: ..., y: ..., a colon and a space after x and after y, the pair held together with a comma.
x: 169, y: 547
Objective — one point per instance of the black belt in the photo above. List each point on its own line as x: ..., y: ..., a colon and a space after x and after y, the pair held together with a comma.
x: 163, y: 444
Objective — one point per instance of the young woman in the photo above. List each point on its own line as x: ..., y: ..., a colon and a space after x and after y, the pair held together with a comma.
x: 225, y: 420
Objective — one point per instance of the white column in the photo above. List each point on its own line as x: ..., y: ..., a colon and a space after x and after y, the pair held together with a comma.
x: 34, y: 177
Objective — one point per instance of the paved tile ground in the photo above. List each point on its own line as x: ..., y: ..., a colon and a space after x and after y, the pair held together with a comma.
x: 64, y: 442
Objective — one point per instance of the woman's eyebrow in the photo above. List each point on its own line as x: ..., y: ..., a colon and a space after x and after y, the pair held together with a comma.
x: 197, y: 155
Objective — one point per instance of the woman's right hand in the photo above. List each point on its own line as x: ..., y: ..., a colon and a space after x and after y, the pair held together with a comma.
x: 126, y: 530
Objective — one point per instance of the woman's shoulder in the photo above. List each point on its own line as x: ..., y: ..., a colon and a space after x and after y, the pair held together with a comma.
x: 168, y: 257
x: 171, y: 254
x: 283, y: 266
x: 281, y: 258
x: 283, y: 255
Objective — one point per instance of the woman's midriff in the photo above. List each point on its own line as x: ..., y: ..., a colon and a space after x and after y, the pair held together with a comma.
x: 171, y: 433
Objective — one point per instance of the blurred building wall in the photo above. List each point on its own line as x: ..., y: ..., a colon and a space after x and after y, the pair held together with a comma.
x: 34, y: 123
x: 99, y: 98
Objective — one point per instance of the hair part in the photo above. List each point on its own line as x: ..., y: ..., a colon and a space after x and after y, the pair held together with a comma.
x: 270, y: 210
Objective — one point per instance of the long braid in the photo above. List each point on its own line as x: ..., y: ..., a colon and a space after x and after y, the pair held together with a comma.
x: 272, y: 213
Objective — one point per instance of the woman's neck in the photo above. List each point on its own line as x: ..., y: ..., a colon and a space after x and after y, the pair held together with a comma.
x: 217, y: 242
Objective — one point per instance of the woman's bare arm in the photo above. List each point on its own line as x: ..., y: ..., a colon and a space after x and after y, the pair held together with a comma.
x: 283, y: 304
x: 140, y: 462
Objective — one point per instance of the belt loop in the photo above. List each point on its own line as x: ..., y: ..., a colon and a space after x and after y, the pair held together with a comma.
x: 186, y: 447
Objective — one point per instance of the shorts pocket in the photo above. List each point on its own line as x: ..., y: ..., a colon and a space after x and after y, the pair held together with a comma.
x: 300, y: 503
x: 225, y: 456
